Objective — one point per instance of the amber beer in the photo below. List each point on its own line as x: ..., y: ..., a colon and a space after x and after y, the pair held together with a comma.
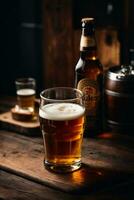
x: 62, y: 127
x: 26, y: 99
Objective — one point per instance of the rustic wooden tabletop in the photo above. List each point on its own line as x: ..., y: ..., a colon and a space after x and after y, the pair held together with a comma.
x: 107, y: 170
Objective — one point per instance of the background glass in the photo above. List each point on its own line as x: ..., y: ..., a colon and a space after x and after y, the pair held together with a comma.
x: 26, y: 91
x: 61, y: 115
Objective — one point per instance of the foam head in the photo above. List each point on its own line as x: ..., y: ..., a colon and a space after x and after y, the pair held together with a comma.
x: 61, y: 111
x: 25, y: 92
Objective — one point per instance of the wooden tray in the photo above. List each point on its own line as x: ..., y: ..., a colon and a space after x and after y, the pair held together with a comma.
x: 31, y: 128
x: 28, y: 128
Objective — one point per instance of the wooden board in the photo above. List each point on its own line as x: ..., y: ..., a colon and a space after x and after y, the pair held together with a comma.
x: 31, y: 128
x: 105, y: 163
x: 15, y: 187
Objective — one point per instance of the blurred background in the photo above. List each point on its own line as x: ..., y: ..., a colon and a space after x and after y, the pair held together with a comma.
x: 40, y: 38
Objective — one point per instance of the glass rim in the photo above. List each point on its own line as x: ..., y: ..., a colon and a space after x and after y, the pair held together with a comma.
x: 67, y: 88
x: 24, y: 80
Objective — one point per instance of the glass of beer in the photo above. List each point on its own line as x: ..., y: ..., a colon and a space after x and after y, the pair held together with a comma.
x: 26, y: 91
x: 61, y: 116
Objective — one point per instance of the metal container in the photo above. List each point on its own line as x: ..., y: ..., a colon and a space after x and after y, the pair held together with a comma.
x: 119, y: 98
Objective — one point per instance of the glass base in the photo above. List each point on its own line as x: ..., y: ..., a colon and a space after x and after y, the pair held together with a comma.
x: 62, y: 168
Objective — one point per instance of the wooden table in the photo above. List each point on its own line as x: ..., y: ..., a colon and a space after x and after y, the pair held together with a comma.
x: 107, y: 171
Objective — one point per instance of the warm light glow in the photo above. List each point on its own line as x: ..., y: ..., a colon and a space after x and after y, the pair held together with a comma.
x: 106, y: 135
x: 94, y: 58
x: 78, y: 176
x: 99, y: 173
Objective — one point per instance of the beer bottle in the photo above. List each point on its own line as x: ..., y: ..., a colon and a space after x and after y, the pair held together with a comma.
x: 89, y: 78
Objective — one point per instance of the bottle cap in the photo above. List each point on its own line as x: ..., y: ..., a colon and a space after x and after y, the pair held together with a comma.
x: 86, y: 22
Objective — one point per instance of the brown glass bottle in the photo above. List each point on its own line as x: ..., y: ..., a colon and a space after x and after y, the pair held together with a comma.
x: 89, y: 78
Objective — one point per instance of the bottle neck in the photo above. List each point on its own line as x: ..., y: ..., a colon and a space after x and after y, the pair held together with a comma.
x: 89, y: 55
x: 88, y: 47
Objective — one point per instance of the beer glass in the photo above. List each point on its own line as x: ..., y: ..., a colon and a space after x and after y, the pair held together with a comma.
x: 25, y: 90
x: 61, y: 116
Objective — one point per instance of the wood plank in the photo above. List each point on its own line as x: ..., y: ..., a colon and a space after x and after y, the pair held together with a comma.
x: 110, y: 150
x: 102, y: 162
x: 108, y: 47
x: 15, y: 187
x: 58, y: 43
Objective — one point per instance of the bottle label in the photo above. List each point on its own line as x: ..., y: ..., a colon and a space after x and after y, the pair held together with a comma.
x: 86, y: 42
x: 91, y: 95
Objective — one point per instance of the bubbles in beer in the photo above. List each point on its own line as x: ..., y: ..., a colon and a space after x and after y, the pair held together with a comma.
x: 61, y: 111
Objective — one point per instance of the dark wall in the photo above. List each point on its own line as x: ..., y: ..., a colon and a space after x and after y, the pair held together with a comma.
x: 116, y: 13
x: 106, y: 12
x: 9, y: 49
x: 20, y: 43
x: 30, y: 37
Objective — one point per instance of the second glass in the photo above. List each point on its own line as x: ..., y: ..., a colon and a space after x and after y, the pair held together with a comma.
x: 26, y: 91
x: 62, y: 122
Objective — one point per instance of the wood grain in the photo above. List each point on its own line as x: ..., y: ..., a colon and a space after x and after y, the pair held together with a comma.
x: 29, y: 128
x: 7, y: 122
x: 14, y: 187
x: 57, y: 43
x: 102, y: 161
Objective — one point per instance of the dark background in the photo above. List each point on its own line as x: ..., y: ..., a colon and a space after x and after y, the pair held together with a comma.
x: 20, y: 43
x: 21, y: 34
